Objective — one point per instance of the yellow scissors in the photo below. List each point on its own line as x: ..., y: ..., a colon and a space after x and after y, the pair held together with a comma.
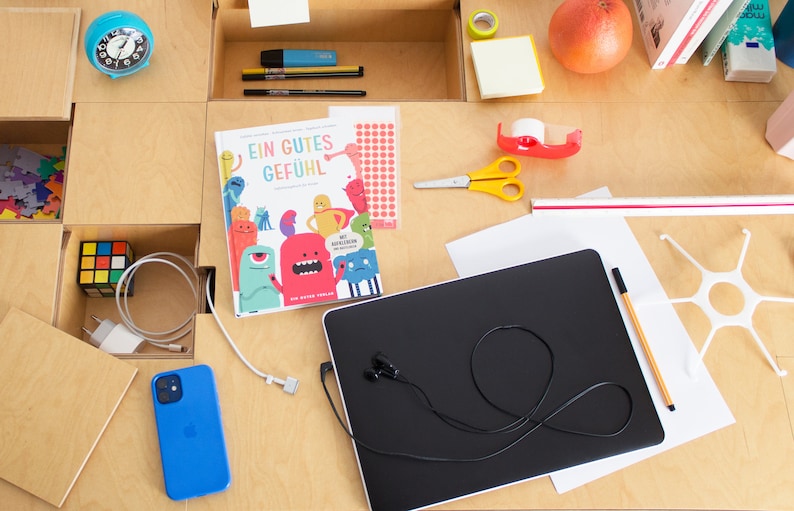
x: 491, y: 179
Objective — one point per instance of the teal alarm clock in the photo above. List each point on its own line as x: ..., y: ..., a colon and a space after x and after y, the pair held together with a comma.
x: 119, y: 43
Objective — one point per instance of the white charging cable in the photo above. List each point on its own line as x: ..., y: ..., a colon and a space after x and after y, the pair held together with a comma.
x: 290, y: 384
x: 161, y: 339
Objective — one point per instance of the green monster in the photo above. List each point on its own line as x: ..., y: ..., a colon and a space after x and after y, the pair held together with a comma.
x: 257, y: 292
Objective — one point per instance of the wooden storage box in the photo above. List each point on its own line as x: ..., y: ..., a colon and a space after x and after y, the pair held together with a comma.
x: 407, y: 54
x: 35, y: 109
x: 38, y: 62
x: 162, y: 298
x: 31, y: 191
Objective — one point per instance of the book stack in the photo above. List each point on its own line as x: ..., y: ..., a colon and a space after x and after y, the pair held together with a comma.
x: 714, y: 39
x: 748, y: 53
x: 674, y: 31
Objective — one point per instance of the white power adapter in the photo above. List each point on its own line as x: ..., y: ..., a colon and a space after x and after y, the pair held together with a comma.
x: 114, y: 338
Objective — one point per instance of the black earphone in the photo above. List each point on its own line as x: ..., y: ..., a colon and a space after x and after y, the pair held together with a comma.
x: 524, y: 423
x: 381, y: 365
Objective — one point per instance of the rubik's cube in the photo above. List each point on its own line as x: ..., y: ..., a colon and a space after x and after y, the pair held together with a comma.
x: 101, y: 265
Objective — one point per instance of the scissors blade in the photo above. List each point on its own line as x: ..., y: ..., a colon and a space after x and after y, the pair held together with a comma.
x: 452, y: 182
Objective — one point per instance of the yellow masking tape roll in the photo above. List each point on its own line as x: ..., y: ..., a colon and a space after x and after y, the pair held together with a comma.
x: 478, y: 20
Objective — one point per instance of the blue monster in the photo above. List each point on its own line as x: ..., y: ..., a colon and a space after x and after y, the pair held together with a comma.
x: 231, y: 196
x: 262, y: 219
x: 256, y: 289
x: 360, y: 266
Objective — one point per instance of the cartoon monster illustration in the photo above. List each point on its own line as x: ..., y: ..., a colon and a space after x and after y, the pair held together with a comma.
x: 287, y: 223
x: 257, y: 291
x: 362, y: 226
x: 242, y: 234
x: 262, y: 219
x: 240, y: 213
x: 227, y: 166
x: 231, y: 196
x: 358, y: 195
x: 328, y: 220
x: 360, y: 266
x: 307, y: 275
x: 352, y: 151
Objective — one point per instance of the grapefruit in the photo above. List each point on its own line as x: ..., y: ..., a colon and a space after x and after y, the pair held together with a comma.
x: 590, y: 36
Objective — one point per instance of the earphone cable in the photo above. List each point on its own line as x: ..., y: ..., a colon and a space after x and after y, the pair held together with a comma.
x: 519, y: 422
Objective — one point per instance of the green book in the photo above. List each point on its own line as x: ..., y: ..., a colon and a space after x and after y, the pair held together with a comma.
x: 715, y: 38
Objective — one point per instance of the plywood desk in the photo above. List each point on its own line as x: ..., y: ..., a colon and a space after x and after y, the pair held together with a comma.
x: 681, y: 131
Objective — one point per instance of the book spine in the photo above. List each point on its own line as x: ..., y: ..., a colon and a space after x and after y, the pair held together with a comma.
x: 708, y: 22
x: 681, y: 31
x: 699, y: 20
x: 718, y: 34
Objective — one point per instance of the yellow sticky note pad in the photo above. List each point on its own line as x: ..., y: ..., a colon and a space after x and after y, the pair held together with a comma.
x: 507, y: 66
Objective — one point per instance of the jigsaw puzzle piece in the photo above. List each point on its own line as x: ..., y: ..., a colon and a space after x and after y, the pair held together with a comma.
x: 8, y: 189
x: 8, y: 154
x: 27, y: 160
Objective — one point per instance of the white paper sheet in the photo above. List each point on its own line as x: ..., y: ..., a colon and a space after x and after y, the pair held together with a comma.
x: 268, y: 13
x: 700, y: 408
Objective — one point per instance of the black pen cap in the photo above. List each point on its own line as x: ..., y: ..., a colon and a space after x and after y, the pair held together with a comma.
x: 272, y: 58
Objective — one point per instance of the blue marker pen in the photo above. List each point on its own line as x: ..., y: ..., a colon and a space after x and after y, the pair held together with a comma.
x: 298, y: 58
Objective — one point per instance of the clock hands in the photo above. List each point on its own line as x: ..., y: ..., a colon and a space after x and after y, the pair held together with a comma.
x: 118, y: 43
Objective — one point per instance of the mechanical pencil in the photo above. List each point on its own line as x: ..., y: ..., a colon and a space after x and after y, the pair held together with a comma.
x: 255, y: 77
x: 668, y: 401
x: 302, y: 92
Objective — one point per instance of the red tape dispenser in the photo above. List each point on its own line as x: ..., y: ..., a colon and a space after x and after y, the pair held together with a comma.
x: 530, y: 135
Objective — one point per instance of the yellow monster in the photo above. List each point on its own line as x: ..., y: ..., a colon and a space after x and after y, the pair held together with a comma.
x: 328, y: 220
x: 226, y: 163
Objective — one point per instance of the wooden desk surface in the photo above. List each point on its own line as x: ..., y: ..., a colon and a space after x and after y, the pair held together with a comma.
x: 676, y: 132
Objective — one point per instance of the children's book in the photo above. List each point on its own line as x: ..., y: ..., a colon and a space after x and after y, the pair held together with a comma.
x: 718, y: 34
x: 297, y: 220
x: 666, y: 26
x: 704, y: 25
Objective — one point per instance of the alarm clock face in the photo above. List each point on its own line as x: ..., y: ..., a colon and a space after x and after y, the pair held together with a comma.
x: 122, y: 49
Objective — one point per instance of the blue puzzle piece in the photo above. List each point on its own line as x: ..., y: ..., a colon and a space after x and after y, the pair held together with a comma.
x: 42, y: 192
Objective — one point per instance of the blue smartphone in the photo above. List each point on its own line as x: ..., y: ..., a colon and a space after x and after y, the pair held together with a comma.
x: 190, y: 432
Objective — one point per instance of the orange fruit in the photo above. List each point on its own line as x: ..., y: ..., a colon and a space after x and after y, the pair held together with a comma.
x: 590, y: 36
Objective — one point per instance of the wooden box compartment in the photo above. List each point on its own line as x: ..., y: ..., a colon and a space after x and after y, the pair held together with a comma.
x: 407, y: 54
x: 28, y: 194
x: 161, y: 298
x: 38, y: 62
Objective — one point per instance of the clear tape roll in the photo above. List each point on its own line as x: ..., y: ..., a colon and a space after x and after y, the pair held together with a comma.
x: 479, y: 18
x: 529, y: 127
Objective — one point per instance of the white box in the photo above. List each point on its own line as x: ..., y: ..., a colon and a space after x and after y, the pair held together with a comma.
x: 748, y: 54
